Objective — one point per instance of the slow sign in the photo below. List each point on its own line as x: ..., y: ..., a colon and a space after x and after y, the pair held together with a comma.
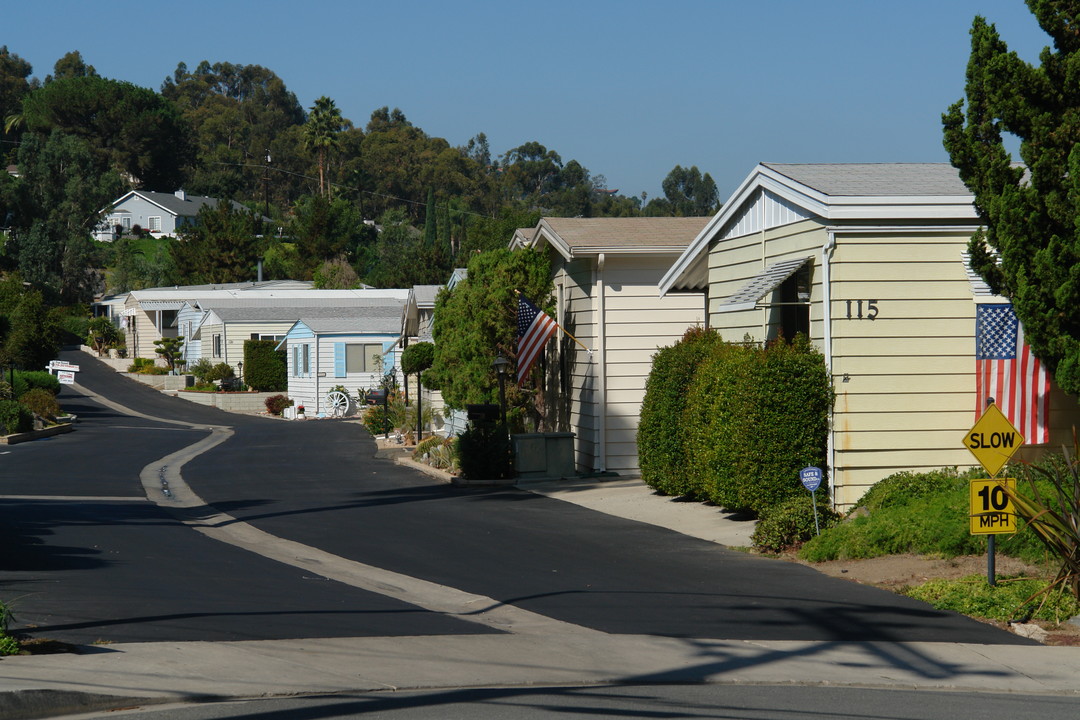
x: 993, y: 440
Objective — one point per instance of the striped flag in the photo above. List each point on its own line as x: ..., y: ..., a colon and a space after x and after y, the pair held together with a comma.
x: 1008, y: 372
x: 534, y: 329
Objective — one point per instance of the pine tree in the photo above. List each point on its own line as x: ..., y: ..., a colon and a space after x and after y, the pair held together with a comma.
x: 1029, y: 248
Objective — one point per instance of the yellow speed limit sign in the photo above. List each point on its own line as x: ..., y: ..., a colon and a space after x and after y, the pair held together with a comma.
x: 991, y: 507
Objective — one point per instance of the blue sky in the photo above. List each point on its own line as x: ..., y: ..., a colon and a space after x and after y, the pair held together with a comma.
x: 629, y: 89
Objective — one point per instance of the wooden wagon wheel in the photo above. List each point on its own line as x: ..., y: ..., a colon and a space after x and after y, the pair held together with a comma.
x: 338, y: 403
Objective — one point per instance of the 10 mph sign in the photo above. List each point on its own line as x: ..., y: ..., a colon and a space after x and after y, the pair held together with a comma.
x: 991, y: 508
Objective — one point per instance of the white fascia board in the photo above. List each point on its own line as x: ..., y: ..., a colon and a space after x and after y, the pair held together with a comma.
x: 544, y: 232
x: 656, y: 250
x: 760, y: 177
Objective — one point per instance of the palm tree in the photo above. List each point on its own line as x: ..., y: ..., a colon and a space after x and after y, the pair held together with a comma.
x: 320, y: 134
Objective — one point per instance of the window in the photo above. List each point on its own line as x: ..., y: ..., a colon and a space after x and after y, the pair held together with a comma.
x: 795, y: 304
x: 217, y: 345
x: 126, y: 222
x: 305, y: 359
x: 362, y: 358
x: 153, y: 223
x: 267, y: 336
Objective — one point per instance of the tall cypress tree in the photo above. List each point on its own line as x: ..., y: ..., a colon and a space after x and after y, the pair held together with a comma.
x: 1029, y: 247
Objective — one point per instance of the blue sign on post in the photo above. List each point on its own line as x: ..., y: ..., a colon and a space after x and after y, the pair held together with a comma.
x: 810, y: 478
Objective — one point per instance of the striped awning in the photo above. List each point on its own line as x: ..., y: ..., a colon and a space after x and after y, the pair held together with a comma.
x: 161, y: 304
x: 772, y: 277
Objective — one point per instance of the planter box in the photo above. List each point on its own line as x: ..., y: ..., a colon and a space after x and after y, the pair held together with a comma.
x: 36, y: 434
x: 544, y: 455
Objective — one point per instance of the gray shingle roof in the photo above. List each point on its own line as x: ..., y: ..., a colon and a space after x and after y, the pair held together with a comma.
x: 876, y: 179
x: 292, y: 313
x: 374, y: 320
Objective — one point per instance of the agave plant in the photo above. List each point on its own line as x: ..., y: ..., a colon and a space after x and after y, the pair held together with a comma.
x: 1055, y: 520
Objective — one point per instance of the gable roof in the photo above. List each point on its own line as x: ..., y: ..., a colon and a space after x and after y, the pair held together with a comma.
x: 578, y: 237
x: 178, y: 204
x: 831, y: 193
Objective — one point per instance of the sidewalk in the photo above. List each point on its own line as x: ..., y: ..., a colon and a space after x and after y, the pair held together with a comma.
x: 529, y: 650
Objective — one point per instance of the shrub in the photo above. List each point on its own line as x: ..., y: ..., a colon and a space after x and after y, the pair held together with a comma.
x: 275, y: 404
x: 791, y: 523
x: 437, y: 451
x: 1051, y: 510
x: 73, y: 328
x: 376, y: 420
x: 264, y: 367
x: 754, y: 417
x: 660, y: 437
x: 221, y: 371
x: 41, y: 402
x: 903, y: 487
x: 15, y: 417
x: 145, y: 366
x: 485, y: 453
x: 8, y: 644
x: 200, y: 369
x: 26, y: 380
x: 906, y: 518
x: 101, y: 335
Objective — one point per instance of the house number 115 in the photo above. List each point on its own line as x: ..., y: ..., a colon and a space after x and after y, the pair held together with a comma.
x: 855, y: 309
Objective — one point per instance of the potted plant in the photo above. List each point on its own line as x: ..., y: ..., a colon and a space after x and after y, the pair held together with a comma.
x: 300, y: 412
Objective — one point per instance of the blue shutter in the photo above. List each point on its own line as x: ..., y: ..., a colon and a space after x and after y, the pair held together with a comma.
x: 339, y: 359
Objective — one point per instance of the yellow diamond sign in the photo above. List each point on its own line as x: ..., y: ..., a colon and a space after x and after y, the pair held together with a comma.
x: 993, y: 440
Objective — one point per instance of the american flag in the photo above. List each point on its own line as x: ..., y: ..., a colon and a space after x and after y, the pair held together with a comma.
x: 534, y: 328
x: 1008, y: 372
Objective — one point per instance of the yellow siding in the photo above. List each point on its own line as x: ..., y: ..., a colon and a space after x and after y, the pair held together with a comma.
x: 904, y: 380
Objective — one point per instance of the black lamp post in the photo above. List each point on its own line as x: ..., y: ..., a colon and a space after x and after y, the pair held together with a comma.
x: 500, y: 364
x: 240, y: 369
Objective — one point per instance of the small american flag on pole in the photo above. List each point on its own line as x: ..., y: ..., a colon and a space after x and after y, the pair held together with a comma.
x: 1008, y: 372
x: 534, y: 328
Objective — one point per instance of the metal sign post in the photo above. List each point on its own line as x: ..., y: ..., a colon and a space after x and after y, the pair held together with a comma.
x: 992, y: 441
x: 810, y: 477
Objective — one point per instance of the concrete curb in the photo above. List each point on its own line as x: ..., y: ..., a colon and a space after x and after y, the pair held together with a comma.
x: 16, y: 438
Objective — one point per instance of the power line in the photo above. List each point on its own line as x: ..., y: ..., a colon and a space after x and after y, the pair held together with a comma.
x: 349, y: 187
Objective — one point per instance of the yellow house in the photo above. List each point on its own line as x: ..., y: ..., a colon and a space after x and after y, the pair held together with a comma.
x: 868, y: 260
x: 605, y: 272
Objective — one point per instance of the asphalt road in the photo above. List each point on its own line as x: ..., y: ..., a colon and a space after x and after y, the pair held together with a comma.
x: 85, y: 557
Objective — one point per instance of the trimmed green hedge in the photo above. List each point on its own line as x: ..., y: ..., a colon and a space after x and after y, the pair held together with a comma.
x: 660, y: 436
x: 751, y: 418
x: 26, y: 380
x: 264, y: 367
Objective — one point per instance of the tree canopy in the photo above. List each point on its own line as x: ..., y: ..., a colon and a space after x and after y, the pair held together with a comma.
x: 476, y: 321
x: 130, y: 129
x: 1029, y: 248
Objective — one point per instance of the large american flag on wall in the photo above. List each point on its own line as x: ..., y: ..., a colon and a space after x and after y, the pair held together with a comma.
x: 1008, y: 372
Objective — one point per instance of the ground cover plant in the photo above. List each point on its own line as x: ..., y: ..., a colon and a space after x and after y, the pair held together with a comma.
x: 1012, y: 599
x: 921, y: 513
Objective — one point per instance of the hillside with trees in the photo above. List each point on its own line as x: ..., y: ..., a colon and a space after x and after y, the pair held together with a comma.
x: 380, y: 202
